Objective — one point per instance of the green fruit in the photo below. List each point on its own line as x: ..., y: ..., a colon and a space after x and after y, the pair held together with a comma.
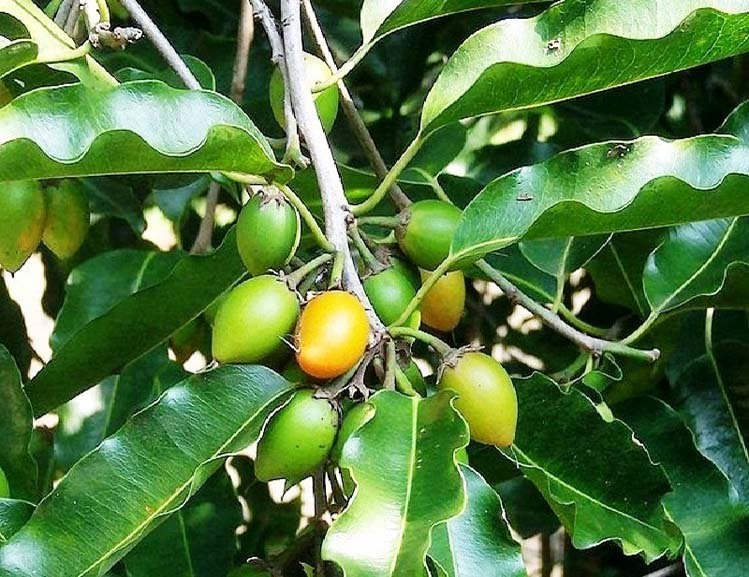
x: 390, y: 292
x: 253, y: 321
x: 427, y: 232
x: 326, y: 102
x: 417, y: 380
x: 22, y: 217
x: 354, y: 419
x: 297, y: 440
x: 486, y: 398
x: 68, y: 218
x: 268, y: 232
x: 4, y: 487
x: 212, y: 310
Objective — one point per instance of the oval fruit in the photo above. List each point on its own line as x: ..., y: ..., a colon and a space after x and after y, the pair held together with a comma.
x: 21, y: 222
x: 390, y: 292
x: 68, y: 218
x: 253, y: 320
x: 427, y: 232
x: 4, y: 487
x: 332, y: 334
x: 297, y: 439
x: 442, y: 307
x: 486, y: 398
x: 268, y: 232
x: 326, y: 101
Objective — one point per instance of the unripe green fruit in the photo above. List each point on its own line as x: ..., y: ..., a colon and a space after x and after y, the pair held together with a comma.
x: 22, y: 217
x: 486, y: 398
x: 427, y: 232
x: 268, y: 233
x: 68, y: 218
x: 212, y: 310
x: 4, y: 487
x: 326, y: 102
x: 253, y: 321
x: 390, y: 292
x: 297, y: 440
x: 354, y: 419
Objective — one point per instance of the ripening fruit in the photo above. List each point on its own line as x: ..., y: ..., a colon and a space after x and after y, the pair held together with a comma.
x: 326, y: 102
x: 4, y: 487
x: 331, y: 335
x: 68, y: 218
x: 390, y: 292
x: 486, y: 398
x: 297, y: 440
x: 268, y: 232
x: 253, y: 320
x: 22, y: 216
x: 353, y: 420
x: 427, y: 232
x: 442, y: 307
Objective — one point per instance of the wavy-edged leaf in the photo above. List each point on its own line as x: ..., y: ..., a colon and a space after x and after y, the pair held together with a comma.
x: 50, y: 44
x: 610, y: 187
x: 101, y: 283
x: 15, y: 55
x: 598, y: 481
x: 152, y: 314
x: 402, y: 492
x: 139, y: 127
x: 695, y: 260
x: 715, y: 528
x: 712, y: 393
x: 114, y: 496
x: 197, y: 541
x: 379, y: 18
x: 477, y: 542
x: 16, y: 425
x: 578, y: 47
x: 13, y: 516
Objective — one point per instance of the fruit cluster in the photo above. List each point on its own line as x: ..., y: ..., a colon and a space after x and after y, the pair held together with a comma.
x: 279, y: 310
x: 57, y: 215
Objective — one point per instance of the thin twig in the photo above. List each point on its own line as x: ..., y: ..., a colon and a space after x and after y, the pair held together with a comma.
x: 293, y: 146
x: 245, y: 34
x: 61, y: 17
x: 361, y: 132
x: 335, y: 205
x: 587, y: 343
x: 321, y: 507
x: 160, y: 42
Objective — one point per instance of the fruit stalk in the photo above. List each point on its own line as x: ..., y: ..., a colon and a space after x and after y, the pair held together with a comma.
x: 335, y: 205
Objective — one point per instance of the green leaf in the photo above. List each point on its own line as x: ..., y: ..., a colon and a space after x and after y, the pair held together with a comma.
x: 610, y: 187
x: 379, y: 18
x: 140, y: 382
x: 617, y: 270
x: 513, y: 264
x: 695, y: 260
x: 152, y: 314
x: 715, y: 528
x: 15, y: 55
x: 116, y: 495
x: 13, y: 516
x: 13, y: 334
x: 598, y: 481
x: 173, y: 200
x: 101, y: 283
x: 15, y: 431
x: 580, y: 47
x: 711, y: 394
x: 110, y: 197
x: 477, y: 541
x: 402, y: 492
x: 49, y: 43
x: 197, y: 541
x: 73, y: 131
